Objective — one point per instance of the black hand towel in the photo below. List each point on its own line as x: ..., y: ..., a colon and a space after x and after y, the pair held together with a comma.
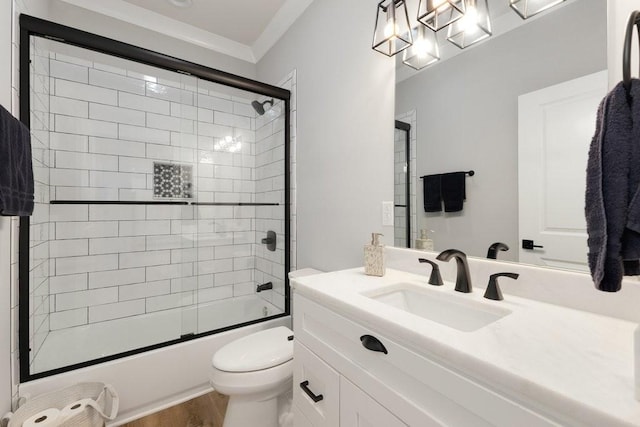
x: 432, y: 197
x: 631, y: 236
x: 613, y: 247
x: 16, y: 172
x: 453, y: 191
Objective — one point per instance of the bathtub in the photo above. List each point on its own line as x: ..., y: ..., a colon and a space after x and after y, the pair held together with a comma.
x: 153, y: 380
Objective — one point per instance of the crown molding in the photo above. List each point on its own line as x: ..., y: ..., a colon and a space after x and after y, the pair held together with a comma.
x: 281, y: 22
x: 153, y: 21
x: 127, y: 12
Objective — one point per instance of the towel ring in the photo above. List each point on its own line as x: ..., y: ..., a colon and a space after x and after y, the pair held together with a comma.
x: 634, y: 20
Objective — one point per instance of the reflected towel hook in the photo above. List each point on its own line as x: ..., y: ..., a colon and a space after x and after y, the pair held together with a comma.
x: 634, y: 20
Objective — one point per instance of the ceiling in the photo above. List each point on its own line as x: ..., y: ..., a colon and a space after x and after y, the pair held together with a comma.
x: 239, y: 20
x: 244, y: 29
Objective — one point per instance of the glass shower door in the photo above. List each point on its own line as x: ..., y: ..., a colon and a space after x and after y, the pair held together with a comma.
x: 240, y: 191
x: 161, y: 204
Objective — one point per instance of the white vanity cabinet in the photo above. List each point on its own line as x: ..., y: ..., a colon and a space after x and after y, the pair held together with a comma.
x: 356, y: 386
x: 324, y: 398
x: 358, y: 409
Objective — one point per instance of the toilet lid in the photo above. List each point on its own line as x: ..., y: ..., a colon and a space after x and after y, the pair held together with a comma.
x: 260, y: 350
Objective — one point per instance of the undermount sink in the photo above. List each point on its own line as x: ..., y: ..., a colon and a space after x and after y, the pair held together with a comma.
x: 456, y: 311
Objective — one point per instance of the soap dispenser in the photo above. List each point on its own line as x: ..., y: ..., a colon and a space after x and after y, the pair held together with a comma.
x: 424, y: 242
x: 374, y: 257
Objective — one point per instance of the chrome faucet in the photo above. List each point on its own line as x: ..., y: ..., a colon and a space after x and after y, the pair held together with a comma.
x: 463, y: 278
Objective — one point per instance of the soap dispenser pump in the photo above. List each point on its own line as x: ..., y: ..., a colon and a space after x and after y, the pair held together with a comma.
x: 374, y: 257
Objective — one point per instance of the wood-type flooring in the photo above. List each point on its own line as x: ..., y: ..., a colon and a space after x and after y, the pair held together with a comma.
x: 205, y: 411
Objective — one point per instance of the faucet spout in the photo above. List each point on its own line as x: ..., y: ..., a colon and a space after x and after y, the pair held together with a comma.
x: 492, y: 253
x: 463, y: 277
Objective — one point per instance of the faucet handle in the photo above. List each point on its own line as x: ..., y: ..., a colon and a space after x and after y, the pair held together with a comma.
x: 493, y: 289
x: 435, y: 278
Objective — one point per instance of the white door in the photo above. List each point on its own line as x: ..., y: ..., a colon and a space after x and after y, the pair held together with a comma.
x: 555, y: 127
x: 358, y: 409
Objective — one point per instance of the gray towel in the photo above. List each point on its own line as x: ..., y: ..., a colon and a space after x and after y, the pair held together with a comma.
x: 612, y: 183
x: 16, y: 172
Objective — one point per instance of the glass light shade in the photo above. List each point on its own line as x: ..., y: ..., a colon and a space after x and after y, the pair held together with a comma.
x: 473, y: 27
x: 392, y: 33
x: 528, y: 8
x: 424, y: 50
x: 437, y: 14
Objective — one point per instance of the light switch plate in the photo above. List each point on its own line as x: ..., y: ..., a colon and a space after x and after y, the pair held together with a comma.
x: 387, y: 213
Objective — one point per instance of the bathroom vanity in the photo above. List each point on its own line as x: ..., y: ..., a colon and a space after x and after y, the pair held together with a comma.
x: 395, y: 351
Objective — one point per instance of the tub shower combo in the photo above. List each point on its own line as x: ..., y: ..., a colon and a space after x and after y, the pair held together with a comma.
x: 162, y: 202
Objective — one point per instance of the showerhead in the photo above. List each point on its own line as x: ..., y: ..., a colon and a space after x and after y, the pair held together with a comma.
x: 259, y: 106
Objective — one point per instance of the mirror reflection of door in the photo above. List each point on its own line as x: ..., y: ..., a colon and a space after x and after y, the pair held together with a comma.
x: 555, y: 126
x: 401, y: 174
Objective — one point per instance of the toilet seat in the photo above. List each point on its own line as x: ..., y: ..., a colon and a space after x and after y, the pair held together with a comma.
x: 255, y: 352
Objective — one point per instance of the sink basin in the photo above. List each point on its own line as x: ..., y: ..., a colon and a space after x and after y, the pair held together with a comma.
x: 456, y: 311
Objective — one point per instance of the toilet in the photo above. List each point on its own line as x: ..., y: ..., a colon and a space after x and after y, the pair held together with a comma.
x: 256, y: 373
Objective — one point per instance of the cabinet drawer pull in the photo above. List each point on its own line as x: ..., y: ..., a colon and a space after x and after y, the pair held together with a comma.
x: 304, y: 385
x: 372, y: 343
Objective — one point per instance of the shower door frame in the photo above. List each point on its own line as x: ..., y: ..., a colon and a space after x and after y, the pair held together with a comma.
x: 31, y: 26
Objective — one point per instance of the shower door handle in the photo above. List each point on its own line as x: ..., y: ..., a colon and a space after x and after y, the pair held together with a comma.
x: 304, y: 385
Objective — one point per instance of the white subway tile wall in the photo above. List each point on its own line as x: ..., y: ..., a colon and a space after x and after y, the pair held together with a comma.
x: 107, y: 128
x: 41, y: 225
x: 269, y: 185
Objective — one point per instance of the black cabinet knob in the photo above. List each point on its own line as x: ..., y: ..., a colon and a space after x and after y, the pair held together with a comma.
x: 372, y: 343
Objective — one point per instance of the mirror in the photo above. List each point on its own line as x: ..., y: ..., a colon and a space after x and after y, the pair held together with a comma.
x: 401, y: 185
x: 466, y: 111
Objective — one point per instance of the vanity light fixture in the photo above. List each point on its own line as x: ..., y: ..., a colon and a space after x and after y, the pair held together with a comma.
x: 473, y: 27
x: 392, y: 33
x: 528, y: 8
x: 437, y: 14
x: 424, y: 50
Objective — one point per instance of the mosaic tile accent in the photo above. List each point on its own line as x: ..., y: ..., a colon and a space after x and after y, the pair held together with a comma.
x: 172, y: 181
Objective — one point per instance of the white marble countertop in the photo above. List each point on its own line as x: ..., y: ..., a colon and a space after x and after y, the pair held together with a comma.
x: 563, y: 360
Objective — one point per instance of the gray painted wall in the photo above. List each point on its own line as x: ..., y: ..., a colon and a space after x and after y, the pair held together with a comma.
x: 467, y: 117
x: 344, y: 130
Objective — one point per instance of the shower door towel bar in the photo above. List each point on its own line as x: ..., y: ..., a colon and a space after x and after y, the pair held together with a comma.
x: 470, y: 173
x: 634, y: 20
x: 159, y: 202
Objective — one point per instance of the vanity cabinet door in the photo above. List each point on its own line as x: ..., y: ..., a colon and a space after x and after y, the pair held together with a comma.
x: 358, y: 409
x: 316, y: 388
x: 299, y: 419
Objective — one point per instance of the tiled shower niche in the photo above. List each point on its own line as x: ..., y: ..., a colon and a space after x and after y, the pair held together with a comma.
x: 172, y: 181
x: 154, y: 192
